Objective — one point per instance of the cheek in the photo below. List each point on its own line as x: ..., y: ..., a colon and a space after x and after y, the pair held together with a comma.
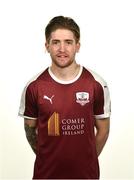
x: 74, y: 51
x: 52, y: 51
x: 71, y: 49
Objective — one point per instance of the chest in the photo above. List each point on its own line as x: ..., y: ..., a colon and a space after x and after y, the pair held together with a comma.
x: 67, y: 99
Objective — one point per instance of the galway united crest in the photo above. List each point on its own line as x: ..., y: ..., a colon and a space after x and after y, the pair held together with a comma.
x: 82, y: 98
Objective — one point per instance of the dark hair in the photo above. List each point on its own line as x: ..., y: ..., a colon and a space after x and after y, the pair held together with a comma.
x: 61, y: 22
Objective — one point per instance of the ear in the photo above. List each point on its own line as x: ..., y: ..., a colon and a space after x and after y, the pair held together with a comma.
x: 78, y: 47
x: 47, y: 46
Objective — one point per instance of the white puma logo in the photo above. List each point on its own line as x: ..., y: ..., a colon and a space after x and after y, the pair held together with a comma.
x: 50, y: 99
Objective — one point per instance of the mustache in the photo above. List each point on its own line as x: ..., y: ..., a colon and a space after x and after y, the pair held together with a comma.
x: 61, y: 54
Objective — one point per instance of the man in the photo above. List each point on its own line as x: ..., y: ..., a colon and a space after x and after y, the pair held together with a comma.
x: 66, y: 110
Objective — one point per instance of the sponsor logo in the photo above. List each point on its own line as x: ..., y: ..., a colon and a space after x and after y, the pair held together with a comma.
x: 65, y: 127
x: 82, y: 98
x: 53, y: 125
x: 49, y: 99
x: 74, y: 126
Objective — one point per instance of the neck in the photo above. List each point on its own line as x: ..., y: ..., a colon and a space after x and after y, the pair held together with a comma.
x: 67, y: 73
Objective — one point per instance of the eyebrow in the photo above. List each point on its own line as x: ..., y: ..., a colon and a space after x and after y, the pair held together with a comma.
x: 69, y: 40
x: 57, y: 40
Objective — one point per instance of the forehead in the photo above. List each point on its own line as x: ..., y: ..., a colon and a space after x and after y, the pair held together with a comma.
x: 62, y: 34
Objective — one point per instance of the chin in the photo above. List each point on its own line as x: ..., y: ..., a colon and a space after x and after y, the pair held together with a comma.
x: 63, y: 65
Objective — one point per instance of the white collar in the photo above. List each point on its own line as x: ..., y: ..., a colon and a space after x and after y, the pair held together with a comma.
x: 65, y: 82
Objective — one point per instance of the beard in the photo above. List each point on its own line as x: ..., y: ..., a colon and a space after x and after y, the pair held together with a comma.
x: 61, y: 63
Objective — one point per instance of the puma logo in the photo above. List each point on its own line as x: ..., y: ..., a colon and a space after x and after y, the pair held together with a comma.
x: 49, y: 99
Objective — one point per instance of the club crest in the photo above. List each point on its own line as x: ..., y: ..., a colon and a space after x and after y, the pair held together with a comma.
x: 82, y: 98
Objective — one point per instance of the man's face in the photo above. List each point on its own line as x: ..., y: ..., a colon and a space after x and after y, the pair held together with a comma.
x: 62, y: 47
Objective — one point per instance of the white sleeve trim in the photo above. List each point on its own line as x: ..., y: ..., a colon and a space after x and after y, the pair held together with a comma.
x: 32, y: 118
x: 102, y: 116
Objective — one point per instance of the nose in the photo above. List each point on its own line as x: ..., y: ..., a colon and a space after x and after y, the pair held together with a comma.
x: 62, y: 47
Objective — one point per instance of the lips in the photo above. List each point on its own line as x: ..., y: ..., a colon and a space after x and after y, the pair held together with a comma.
x: 62, y: 55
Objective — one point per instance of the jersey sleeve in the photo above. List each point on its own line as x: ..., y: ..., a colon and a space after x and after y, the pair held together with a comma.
x: 28, y: 105
x: 102, y: 103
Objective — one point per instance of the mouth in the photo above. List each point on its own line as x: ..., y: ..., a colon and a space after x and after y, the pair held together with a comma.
x: 62, y: 56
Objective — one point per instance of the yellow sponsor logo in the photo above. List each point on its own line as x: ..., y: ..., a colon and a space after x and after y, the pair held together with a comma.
x: 53, y: 125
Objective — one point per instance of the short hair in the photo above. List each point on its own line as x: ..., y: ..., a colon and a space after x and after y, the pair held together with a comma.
x: 61, y: 22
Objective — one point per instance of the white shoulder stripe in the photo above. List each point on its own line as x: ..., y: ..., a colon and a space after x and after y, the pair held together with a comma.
x: 107, y: 104
x: 22, y: 102
x: 98, y: 78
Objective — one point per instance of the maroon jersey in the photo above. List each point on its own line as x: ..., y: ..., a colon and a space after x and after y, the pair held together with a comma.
x: 65, y: 112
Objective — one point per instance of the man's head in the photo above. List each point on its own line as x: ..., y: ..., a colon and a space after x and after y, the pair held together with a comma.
x: 62, y: 41
x: 61, y: 22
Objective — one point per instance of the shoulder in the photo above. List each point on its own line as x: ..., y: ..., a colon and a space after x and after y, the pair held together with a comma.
x: 96, y: 77
x: 35, y: 79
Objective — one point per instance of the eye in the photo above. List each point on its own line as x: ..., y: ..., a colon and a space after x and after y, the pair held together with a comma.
x: 69, y: 42
x: 55, y: 42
